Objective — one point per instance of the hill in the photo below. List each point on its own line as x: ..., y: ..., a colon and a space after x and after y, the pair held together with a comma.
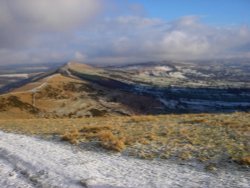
x: 79, y: 90
x: 76, y: 90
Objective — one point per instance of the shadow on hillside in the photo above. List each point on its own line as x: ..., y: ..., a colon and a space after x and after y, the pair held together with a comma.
x: 153, y: 100
x: 173, y: 99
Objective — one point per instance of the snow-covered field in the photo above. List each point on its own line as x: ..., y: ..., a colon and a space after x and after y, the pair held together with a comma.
x: 32, y: 162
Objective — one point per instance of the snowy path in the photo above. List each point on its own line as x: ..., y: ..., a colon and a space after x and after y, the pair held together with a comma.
x: 32, y: 162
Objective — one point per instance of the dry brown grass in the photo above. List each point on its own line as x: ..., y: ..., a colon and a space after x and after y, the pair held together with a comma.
x: 111, y: 142
x: 205, y: 137
x: 245, y: 160
x: 71, y: 136
x: 101, y: 133
x: 95, y: 129
x: 148, y: 118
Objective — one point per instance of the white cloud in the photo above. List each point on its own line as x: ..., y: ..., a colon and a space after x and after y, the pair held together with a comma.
x: 23, y: 20
x: 59, y: 30
x: 181, y: 43
x: 79, y: 56
x: 48, y: 14
x: 153, y: 39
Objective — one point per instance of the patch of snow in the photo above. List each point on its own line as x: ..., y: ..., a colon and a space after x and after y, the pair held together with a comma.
x: 163, y: 68
x: 32, y: 162
x: 134, y: 67
x: 172, y: 104
x: 195, y: 72
x: 14, y: 75
x: 177, y: 75
x: 157, y: 71
x: 216, y: 103
x: 191, y: 71
x: 36, y: 68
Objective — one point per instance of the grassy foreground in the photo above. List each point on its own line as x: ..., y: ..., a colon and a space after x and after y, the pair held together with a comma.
x: 204, y: 137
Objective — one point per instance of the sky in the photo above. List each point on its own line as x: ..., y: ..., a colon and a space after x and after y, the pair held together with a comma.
x: 213, y: 12
x: 112, y: 31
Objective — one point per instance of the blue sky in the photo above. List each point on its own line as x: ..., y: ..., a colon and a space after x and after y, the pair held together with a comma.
x: 121, y: 31
x: 218, y: 12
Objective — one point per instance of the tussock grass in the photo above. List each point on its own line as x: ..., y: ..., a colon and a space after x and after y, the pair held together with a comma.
x: 95, y: 129
x: 245, y: 160
x: 205, y: 137
x: 103, y: 134
x: 71, y: 136
x: 110, y: 141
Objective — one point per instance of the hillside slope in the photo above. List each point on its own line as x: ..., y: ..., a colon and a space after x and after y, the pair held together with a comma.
x: 71, y: 93
x: 79, y: 90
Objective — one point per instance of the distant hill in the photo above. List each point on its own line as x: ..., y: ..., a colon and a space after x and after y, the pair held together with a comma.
x: 80, y: 90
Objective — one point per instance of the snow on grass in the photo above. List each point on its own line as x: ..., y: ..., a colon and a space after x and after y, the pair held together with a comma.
x: 177, y: 75
x: 163, y: 68
x: 14, y: 75
x: 32, y: 162
x: 172, y: 104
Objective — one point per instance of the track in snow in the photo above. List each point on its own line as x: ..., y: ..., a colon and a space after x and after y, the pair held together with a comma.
x: 32, y: 162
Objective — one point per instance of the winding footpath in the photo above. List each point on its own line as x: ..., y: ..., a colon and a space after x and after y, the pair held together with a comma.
x: 32, y: 162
